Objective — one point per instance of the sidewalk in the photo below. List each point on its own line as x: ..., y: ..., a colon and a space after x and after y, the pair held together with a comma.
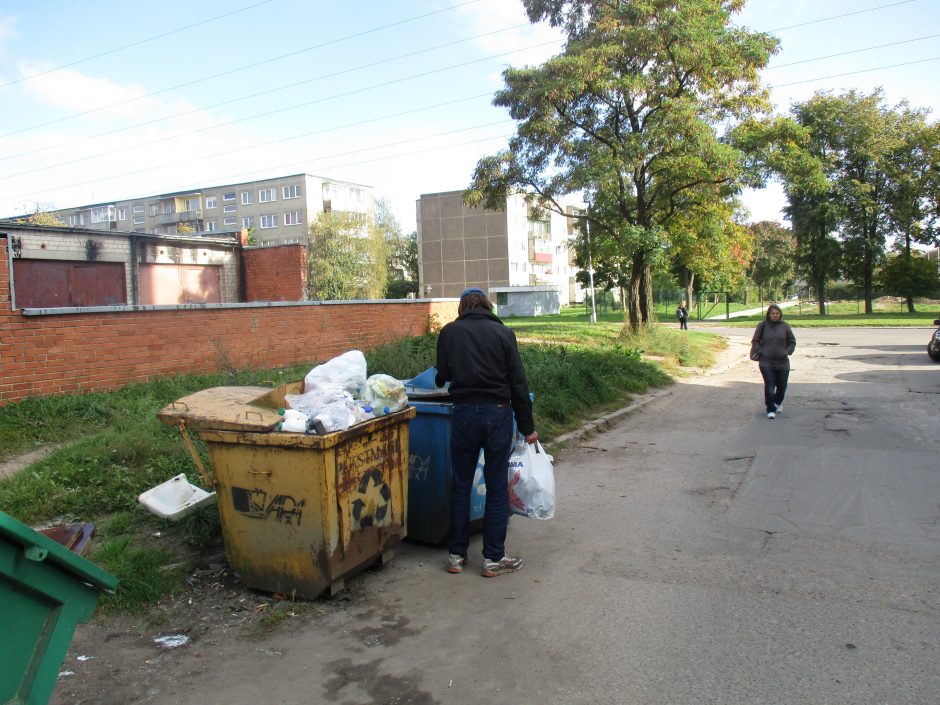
x: 739, y: 344
x: 752, y: 311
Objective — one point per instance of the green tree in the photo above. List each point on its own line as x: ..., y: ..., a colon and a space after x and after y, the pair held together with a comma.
x: 910, y: 275
x: 799, y: 151
x: 346, y: 258
x: 626, y: 115
x: 913, y: 188
x: 773, y: 262
x: 401, y: 253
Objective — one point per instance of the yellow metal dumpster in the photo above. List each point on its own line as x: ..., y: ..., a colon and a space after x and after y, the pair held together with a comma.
x: 299, y: 512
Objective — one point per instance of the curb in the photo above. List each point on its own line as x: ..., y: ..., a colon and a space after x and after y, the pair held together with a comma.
x: 603, y: 423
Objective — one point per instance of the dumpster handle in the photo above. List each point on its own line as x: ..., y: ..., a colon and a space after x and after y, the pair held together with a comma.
x: 260, y: 472
x: 192, y: 451
x: 256, y: 413
x: 181, y: 403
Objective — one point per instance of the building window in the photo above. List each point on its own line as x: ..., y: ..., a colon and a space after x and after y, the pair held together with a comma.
x: 246, y: 198
x: 230, y: 221
x: 191, y: 204
x: 138, y: 210
x: 291, y: 191
x: 122, y: 213
x: 267, y: 195
x: 228, y: 196
x: 212, y: 202
x: 292, y: 218
x: 138, y: 220
x: 102, y: 214
x: 169, y: 208
x: 210, y: 226
x: 268, y: 221
x: 154, y: 208
x: 229, y: 209
x: 248, y: 221
x: 74, y: 220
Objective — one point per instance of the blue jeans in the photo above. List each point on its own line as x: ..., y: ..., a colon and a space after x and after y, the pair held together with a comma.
x: 775, y: 386
x: 475, y: 427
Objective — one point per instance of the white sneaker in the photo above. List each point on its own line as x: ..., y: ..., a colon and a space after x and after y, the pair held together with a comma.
x: 779, y: 407
x: 771, y: 415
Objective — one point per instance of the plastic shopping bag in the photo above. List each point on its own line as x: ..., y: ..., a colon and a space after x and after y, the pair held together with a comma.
x: 531, y: 481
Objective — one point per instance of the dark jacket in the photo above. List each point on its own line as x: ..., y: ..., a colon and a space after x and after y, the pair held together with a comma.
x: 478, y: 355
x: 776, y: 342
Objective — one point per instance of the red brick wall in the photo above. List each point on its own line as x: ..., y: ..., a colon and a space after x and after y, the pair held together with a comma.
x: 85, y: 352
x: 275, y: 273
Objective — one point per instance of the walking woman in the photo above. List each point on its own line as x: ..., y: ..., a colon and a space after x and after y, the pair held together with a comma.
x: 771, y: 346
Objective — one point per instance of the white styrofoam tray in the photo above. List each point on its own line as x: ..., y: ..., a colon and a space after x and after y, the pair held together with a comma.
x: 175, y: 498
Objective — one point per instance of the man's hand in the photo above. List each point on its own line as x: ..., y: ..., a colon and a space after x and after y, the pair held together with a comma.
x: 532, y: 437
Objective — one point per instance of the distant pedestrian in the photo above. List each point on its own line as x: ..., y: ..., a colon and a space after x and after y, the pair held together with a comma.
x: 682, y: 313
x: 771, y: 347
x: 479, y: 356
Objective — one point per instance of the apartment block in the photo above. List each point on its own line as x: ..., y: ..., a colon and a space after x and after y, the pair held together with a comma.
x: 460, y: 247
x: 277, y: 210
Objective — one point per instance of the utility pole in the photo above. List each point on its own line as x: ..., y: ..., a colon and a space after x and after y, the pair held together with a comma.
x: 587, y: 227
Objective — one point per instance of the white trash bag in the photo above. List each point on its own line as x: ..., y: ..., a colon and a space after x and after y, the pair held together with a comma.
x: 531, y: 481
x: 346, y: 372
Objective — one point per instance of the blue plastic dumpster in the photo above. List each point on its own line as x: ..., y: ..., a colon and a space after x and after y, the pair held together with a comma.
x: 430, y: 472
x: 429, y: 467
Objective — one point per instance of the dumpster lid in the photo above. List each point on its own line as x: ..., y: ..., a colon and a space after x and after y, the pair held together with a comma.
x: 222, y: 409
x: 17, y: 532
x: 422, y: 393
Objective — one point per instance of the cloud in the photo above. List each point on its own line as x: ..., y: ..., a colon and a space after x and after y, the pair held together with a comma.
x: 75, y: 92
x: 490, y: 16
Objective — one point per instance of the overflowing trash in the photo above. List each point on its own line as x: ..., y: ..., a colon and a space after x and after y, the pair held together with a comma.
x: 339, y: 394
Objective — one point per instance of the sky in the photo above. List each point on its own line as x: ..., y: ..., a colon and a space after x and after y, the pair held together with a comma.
x: 115, y: 100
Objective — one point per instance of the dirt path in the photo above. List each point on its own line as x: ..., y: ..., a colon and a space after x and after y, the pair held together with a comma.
x: 8, y: 468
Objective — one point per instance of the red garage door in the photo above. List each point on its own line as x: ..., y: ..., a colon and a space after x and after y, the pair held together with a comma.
x: 55, y: 283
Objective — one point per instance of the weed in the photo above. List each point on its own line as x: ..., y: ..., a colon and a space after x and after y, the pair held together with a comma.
x: 143, y: 572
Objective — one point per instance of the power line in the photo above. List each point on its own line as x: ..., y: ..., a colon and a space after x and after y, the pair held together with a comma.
x: 307, y: 103
x: 255, y: 95
x: 853, y: 51
x: 133, y: 44
x: 281, y: 166
x: 836, y: 17
x: 852, y: 73
x: 263, y: 144
x: 236, y: 70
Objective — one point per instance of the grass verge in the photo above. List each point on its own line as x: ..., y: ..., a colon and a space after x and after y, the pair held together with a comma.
x: 116, y: 448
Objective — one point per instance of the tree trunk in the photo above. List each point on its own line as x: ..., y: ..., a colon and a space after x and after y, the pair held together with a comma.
x: 867, y: 279
x: 910, y: 304
x: 637, y: 292
x: 821, y: 294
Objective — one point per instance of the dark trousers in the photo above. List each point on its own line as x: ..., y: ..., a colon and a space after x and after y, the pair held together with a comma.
x: 475, y: 427
x: 775, y: 386
x: 683, y: 324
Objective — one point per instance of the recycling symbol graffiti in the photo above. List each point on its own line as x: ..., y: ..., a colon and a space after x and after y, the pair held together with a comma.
x: 370, y: 508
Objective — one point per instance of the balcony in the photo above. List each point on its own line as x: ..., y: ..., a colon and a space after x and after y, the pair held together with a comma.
x: 181, y: 217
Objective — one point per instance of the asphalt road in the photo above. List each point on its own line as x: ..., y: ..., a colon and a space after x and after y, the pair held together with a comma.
x: 700, y: 553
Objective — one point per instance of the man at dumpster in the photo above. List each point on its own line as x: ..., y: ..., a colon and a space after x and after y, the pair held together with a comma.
x: 478, y: 355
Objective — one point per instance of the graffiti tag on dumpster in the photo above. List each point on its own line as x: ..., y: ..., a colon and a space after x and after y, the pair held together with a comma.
x: 418, y: 467
x: 255, y: 504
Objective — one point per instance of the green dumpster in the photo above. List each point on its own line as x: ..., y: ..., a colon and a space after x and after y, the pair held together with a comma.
x: 45, y: 591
